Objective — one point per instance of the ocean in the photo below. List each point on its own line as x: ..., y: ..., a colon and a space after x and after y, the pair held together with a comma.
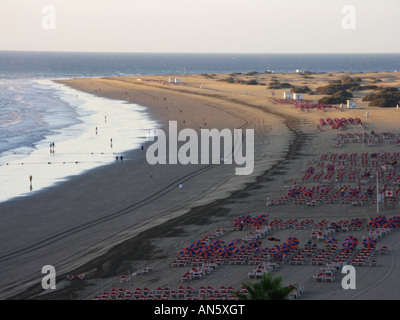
x: 36, y: 112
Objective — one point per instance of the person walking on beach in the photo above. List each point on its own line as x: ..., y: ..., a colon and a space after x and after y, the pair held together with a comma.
x: 180, y: 187
x: 30, y: 182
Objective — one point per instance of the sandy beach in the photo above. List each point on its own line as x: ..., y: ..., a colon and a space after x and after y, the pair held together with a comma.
x: 117, y: 220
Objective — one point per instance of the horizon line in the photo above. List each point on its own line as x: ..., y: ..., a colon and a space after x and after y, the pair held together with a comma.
x: 171, y: 52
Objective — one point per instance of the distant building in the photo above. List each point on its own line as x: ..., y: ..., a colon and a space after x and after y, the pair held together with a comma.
x: 297, y: 96
x: 351, y: 104
x: 287, y: 95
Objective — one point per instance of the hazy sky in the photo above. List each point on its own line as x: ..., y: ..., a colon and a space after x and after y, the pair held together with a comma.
x: 248, y: 26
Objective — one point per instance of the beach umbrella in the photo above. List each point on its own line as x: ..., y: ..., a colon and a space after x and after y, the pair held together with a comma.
x: 258, y: 221
x: 347, y: 244
x: 199, y: 244
x: 396, y: 219
x: 259, y: 250
x: 308, y: 193
x: 292, y: 193
x: 377, y: 221
x: 390, y: 224
x: 228, y: 246
x: 354, y: 192
x: 247, y: 218
x: 234, y: 242
x: 292, y: 240
x: 277, y: 252
x: 369, y: 243
x: 310, y: 170
x: 356, y: 222
x: 374, y: 222
x: 255, y: 244
x: 218, y: 242
x: 382, y: 220
x: 331, y: 240
x: 351, y: 239
x: 244, y: 247
x: 237, y: 249
x: 224, y: 252
x: 393, y: 222
x: 286, y: 247
x: 190, y: 250
x: 237, y: 222
x: 347, y: 249
x: 330, y: 167
x: 241, y: 248
x: 209, y: 247
x: 205, y: 253
x: 289, y: 246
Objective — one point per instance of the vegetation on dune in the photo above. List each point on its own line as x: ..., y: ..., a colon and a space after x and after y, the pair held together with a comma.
x: 332, y: 100
x: 251, y: 73
x: 344, y: 84
x: 232, y: 79
x: 303, y: 89
x: 338, y: 91
x: 384, y: 97
x: 276, y: 84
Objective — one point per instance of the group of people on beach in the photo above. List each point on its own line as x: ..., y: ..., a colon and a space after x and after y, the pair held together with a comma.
x: 52, y: 145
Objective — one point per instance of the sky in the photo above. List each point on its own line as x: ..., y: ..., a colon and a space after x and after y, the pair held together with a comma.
x: 207, y: 26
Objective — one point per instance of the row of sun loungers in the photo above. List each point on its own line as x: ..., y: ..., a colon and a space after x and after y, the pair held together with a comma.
x: 330, y: 259
x: 361, y: 170
x: 182, y: 292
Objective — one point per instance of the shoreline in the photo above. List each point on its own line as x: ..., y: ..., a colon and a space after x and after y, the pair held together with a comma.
x: 302, y: 142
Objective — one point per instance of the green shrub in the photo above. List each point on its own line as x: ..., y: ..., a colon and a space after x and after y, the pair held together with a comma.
x: 252, y: 82
x: 332, y: 100
x: 303, y: 89
x: 342, y: 94
x: 275, y: 84
x: 384, y: 97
